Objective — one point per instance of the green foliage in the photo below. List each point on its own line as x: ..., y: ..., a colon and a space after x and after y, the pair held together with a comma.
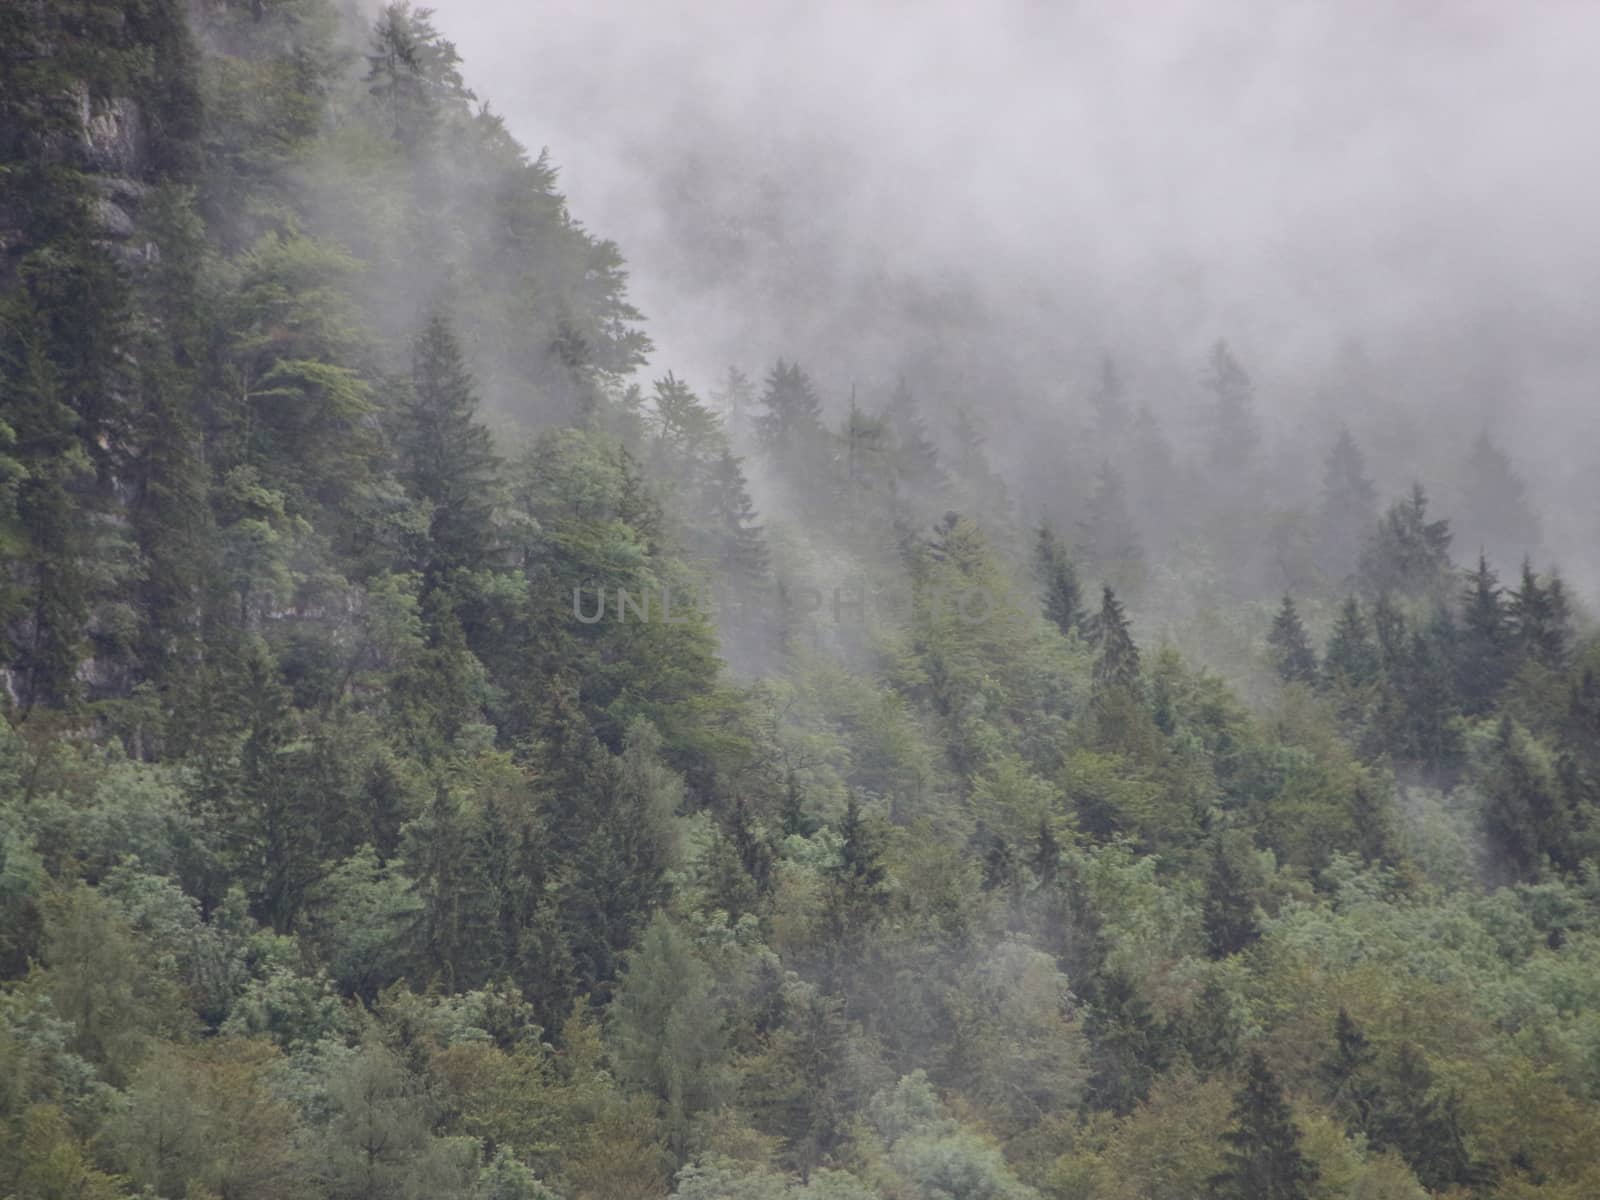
x: 1263, y: 1160
x: 339, y: 857
x: 1294, y: 659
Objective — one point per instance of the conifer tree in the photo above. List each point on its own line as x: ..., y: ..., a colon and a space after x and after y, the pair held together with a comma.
x: 1235, y: 437
x: 1109, y: 404
x: 1263, y: 1159
x: 688, y: 431
x: 733, y: 530
x: 915, y: 457
x: 1229, y: 910
x: 790, y: 422
x: 50, y: 475
x: 1483, y: 659
x: 1422, y: 682
x: 1294, y: 659
x: 1127, y: 1047
x: 1525, y: 818
x: 412, y: 72
x: 859, y: 884
x: 1541, y: 619
x: 735, y: 398
x: 1052, y: 568
x: 1110, y: 541
x: 1158, y: 489
x: 1117, y: 663
x: 447, y: 457
x: 1152, y: 461
x: 1349, y: 508
x: 866, y: 449
x: 1347, y: 1075
x: 1422, y: 1125
x: 1494, y: 510
x: 980, y: 489
x: 1408, y: 554
x: 1210, y: 1030
x: 1351, y: 660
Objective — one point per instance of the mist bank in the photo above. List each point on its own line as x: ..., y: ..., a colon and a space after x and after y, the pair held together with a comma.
x: 1383, y: 212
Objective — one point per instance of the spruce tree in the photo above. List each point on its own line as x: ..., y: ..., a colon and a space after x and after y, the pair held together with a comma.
x: 790, y: 422
x: 914, y: 456
x: 866, y: 448
x: 688, y: 431
x: 1117, y: 662
x: 1210, y: 1030
x: 735, y: 398
x: 1525, y: 818
x: 447, y: 457
x: 858, y: 890
x: 1127, y: 1046
x: 1235, y: 437
x: 410, y: 70
x: 1110, y: 540
x: 733, y: 532
x: 1293, y: 657
x: 1263, y: 1158
x: 1424, y: 1126
x: 1109, y: 404
x: 1053, y: 569
x: 1229, y: 910
x: 979, y: 488
x: 1408, y: 554
x: 1351, y: 660
x: 1349, y: 508
x: 1541, y: 619
x: 1483, y: 659
x: 1347, y: 1075
x: 1494, y: 509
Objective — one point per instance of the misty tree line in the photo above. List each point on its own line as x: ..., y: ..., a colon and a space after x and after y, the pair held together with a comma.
x: 338, y: 859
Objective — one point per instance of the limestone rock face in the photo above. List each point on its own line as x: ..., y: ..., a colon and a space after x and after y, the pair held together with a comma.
x: 112, y: 134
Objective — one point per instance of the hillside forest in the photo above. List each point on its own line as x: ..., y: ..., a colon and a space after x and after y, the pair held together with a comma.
x: 448, y: 754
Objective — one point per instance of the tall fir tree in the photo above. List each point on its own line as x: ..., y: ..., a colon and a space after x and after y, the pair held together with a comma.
x: 1348, y: 510
x: 447, y: 458
x: 914, y: 455
x: 1235, y: 437
x: 1110, y: 540
x: 1347, y: 1075
x: 1128, y: 1047
x: 1263, y: 1160
x: 1229, y: 911
x: 1293, y: 657
x: 790, y: 421
x: 1484, y: 648
x: 1116, y: 663
x: 1351, y: 659
x: 732, y: 529
x: 1422, y: 1123
x: 412, y: 72
x: 1108, y: 402
x: 1058, y: 581
x: 1541, y: 619
x: 1526, y: 820
x: 735, y: 398
x: 1494, y: 510
x: 1408, y: 554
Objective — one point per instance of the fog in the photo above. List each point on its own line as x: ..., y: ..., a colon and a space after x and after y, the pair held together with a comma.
x: 1003, y: 192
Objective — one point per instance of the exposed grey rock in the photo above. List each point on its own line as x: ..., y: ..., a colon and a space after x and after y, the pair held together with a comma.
x: 112, y: 133
x: 112, y: 220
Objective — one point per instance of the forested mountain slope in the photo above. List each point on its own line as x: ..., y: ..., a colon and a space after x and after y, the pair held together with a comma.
x: 382, y: 812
